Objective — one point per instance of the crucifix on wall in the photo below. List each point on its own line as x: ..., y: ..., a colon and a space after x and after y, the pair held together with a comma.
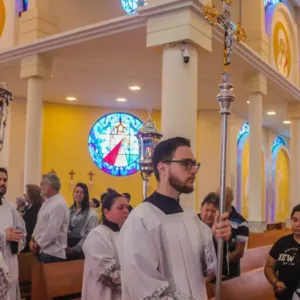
x: 71, y: 173
x: 91, y: 175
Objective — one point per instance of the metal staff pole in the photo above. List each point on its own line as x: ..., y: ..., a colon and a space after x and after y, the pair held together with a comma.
x: 225, y: 98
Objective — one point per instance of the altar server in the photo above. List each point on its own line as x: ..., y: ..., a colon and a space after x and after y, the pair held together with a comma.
x: 12, y: 241
x: 165, y: 252
x: 102, y: 278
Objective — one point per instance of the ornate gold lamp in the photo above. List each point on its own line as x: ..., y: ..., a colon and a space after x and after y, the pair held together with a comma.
x: 225, y: 99
x: 5, y: 99
x: 148, y: 137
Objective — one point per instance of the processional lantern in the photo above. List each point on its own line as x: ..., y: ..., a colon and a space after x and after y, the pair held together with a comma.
x: 5, y: 99
x: 148, y: 137
x: 225, y: 99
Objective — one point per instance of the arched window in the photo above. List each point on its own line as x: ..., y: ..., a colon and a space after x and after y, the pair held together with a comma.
x: 242, y: 159
x: 279, y: 210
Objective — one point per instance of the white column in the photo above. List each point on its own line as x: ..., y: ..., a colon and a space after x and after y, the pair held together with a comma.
x: 32, y: 171
x: 179, y: 98
x: 255, y: 161
x: 295, y: 163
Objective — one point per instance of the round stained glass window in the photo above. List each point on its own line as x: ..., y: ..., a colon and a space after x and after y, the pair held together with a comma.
x: 113, y: 144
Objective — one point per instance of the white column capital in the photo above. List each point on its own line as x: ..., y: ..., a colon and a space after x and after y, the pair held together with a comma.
x: 256, y: 83
x: 177, y: 21
x: 35, y: 66
x: 37, y: 22
x: 293, y: 111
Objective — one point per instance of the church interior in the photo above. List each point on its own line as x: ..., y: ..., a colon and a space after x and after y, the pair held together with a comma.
x: 79, y: 70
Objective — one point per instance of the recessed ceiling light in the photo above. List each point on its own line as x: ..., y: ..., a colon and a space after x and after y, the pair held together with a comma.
x: 248, y: 102
x: 287, y: 122
x: 71, y: 98
x: 271, y: 113
x: 135, y: 88
x: 121, y: 99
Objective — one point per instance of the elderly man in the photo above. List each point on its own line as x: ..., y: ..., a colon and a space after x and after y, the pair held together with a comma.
x: 12, y: 241
x: 49, y: 239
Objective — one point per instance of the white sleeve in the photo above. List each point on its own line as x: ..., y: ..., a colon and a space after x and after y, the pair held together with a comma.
x: 209, y: 257
x: 50, y: 234
x: 139, y: 261
x: 20, y: 225
x: 101, y: 260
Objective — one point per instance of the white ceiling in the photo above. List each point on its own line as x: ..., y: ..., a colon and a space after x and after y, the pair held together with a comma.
x: 99, y: 71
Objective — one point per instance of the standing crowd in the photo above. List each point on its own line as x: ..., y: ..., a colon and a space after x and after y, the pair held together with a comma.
x: 157, y: 250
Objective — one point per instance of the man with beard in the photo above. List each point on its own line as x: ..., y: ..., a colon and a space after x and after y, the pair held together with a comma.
x: 12, y: 239
x: 166, y: 252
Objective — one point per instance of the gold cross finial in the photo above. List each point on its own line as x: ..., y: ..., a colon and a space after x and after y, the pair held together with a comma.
x: 224, y: 19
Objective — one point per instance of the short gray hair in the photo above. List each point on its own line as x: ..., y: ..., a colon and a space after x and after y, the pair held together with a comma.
x: 52, y: 179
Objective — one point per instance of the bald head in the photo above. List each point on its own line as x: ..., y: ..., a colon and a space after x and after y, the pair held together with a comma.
x: 229, y: 196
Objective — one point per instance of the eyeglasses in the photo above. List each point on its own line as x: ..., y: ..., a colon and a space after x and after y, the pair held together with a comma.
x: 187, y: 163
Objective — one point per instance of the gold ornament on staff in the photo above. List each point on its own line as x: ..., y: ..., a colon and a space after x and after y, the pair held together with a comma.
x: 225, y: 99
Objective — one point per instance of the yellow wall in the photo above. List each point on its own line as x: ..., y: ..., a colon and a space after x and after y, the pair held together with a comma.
x: 65, y: 147
x: 282, y: 187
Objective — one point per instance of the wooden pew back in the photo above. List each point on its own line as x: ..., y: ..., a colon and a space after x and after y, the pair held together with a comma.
x: 25, y: 263
x: 63, y: 279
x: 249, y: 286
x: 254, y: 258
x: 266, y: 238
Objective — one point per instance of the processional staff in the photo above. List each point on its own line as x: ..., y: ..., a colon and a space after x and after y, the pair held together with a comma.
x: 225, y: 98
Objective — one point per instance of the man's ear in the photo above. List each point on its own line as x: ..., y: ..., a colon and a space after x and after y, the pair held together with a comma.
x: 161, y: 167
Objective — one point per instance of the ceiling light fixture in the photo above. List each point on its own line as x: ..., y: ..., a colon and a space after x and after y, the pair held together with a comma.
x: 287, y: 122
x: 271, y: 113
x: 135, y: 88
x: 71, y: 98
x: 248, y: 102
x: 121, y: 99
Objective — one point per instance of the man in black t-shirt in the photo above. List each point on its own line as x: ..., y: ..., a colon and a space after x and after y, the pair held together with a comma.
x: 239, y: 236
x: 286, y: 253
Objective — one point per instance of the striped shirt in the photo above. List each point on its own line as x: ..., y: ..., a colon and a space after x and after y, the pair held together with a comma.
x: 239, y: 233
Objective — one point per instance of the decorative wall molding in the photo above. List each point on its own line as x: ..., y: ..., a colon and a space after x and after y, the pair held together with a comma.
x: 139, y: 20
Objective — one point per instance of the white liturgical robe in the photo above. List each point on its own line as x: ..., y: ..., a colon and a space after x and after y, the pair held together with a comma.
x: 101, y: 276
x: 165, y: 256
x: 9, y: 217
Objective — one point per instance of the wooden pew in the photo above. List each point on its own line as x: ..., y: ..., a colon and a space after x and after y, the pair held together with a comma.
x: 57, y: 280
x: 25, y: 261
x: 266, y: 238
x: 254, y: 258
x: 249, y: 286
x: 63, y: 279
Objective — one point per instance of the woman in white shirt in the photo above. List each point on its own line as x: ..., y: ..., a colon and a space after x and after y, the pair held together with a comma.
x: 102, y: 274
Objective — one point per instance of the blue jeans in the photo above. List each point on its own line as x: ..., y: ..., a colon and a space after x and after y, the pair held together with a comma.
x: 48, y: 259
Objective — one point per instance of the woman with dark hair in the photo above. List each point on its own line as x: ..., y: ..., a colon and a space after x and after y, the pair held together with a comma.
x: 102, y: 277
x: 82, y: 220
x: 34, y: 199
x: 283, y: 265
